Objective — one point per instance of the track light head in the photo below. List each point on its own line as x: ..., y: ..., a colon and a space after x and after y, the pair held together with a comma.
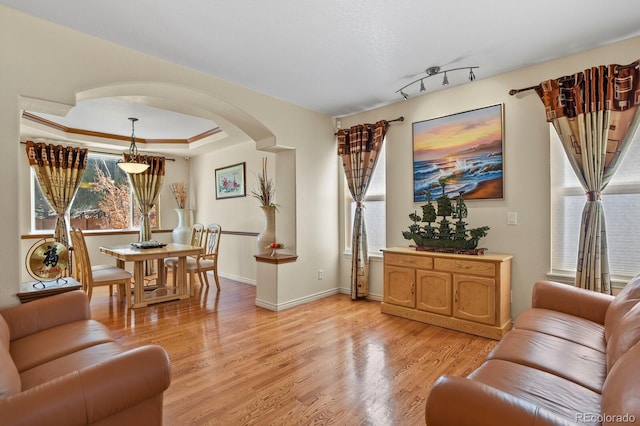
x: 445, y: 80
x: 472, y: 76
x: 404, y: 95
x: 422, y: 88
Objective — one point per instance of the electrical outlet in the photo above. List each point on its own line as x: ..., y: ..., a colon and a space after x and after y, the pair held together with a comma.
x: 320, y: 274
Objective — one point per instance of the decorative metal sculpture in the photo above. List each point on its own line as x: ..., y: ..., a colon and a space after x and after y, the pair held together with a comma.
x: 47, y: 260
x: 444, y: 237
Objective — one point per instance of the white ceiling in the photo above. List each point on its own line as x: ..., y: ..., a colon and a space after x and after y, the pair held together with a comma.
x: 341, y: 57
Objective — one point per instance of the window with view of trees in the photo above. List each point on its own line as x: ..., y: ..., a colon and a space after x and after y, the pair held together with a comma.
x: 103, y: 200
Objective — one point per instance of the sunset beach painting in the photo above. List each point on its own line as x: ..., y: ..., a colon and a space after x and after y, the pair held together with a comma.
x: 465, y: 150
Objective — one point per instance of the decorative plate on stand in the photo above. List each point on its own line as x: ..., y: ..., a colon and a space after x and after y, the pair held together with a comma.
x: 47, y: 260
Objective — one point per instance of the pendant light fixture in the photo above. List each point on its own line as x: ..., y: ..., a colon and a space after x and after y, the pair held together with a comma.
x: 430, y: 72
x: 133, y: 166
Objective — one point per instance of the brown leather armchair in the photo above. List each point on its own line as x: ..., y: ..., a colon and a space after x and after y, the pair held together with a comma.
x: 58, y: 366
x: 571, y: 359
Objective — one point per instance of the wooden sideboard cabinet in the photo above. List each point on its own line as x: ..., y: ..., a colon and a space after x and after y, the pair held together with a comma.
x: 462, y: 292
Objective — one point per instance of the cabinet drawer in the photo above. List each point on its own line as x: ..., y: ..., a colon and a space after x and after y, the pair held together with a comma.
x: 419, y: 262
x: 486, y: 269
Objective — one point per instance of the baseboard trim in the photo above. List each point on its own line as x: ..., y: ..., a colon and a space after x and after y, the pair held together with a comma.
x: 295, y: 302
x: 371, y: 296
x: 237, y: 278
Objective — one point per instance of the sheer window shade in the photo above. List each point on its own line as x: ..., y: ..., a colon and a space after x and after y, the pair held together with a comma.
x: 621, y: 200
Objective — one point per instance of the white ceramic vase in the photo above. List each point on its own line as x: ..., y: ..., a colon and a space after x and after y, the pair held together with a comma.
x: 268, y: 234
x: 181, y: 234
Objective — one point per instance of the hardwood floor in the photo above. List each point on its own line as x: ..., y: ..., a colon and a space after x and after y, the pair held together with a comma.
x: 332, y: 361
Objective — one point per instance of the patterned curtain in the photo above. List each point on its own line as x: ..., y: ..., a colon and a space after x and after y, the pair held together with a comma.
x: 146, y: 189
x: 359, y: 148
x: 595, y: 113
x: 59, y: 170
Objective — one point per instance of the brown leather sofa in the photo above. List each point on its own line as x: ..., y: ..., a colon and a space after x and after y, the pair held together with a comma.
x: 60, y: 367
x: 572, y: 359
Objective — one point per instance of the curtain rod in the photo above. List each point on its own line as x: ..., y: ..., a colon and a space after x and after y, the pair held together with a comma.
x: 524, y: 89
x: 110, y: 153
x: 388, y: 121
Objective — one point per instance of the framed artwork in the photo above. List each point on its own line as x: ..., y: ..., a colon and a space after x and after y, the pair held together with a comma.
x: 463, y: 151
x: 230, y: 181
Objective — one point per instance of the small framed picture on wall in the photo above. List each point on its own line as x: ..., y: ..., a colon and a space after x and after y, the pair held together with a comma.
x: 230, y: 181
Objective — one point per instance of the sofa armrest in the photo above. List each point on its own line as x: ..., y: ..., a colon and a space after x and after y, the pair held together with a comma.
x: 571, y: 300
x: 463, y: 402
x: 47, y: 312
x: 93, y: 393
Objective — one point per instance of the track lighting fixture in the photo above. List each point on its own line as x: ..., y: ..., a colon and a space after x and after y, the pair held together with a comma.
x: 431, y: 71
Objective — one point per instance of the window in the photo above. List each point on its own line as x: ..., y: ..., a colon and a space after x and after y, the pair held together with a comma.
x: 374, y: 209
x: 103, y: 200
x: 621, y: 201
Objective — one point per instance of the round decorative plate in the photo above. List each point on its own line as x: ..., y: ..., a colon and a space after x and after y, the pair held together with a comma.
x: 47, y: 259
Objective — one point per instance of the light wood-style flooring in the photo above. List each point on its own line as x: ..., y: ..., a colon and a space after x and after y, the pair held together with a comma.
x: 330, y: 362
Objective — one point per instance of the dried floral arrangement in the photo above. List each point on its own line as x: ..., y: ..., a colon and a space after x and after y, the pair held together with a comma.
x: 179, y: 191
x: 266, y: 189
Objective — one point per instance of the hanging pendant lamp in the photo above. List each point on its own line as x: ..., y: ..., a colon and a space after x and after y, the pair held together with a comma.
x: 133, y: 166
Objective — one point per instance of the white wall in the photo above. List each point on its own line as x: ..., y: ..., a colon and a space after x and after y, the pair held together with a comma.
x: 233, y: 214
x: 526, y: 160
x: 47, y: 62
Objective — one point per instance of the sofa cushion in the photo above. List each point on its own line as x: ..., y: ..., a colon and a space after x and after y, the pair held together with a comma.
x: 68, y: 363
x: 565, y: 326
x: 543, y: 389
x: 9, y: 378
x: 574, y: 362
x: 55, y: 342
x: 623, y: 302
x: 33, y: 317
x: 621, y: 391
x: 5, y: 335
x: 624, y: 336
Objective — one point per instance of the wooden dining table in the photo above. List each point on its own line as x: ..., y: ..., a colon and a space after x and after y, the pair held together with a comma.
x: 161, y: 292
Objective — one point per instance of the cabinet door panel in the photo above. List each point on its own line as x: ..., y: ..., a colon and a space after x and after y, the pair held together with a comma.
x: 399, y: 286
x: 433, y: 292
x: 474, y: 299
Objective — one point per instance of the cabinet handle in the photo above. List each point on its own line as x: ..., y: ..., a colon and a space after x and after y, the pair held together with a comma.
x: 456, y: 296
x: 413, y: 288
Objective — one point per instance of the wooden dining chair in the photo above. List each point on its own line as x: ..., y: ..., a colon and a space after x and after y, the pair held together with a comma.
x: 206, y: 261
x: 197, y: 231
x: 100, y: 275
